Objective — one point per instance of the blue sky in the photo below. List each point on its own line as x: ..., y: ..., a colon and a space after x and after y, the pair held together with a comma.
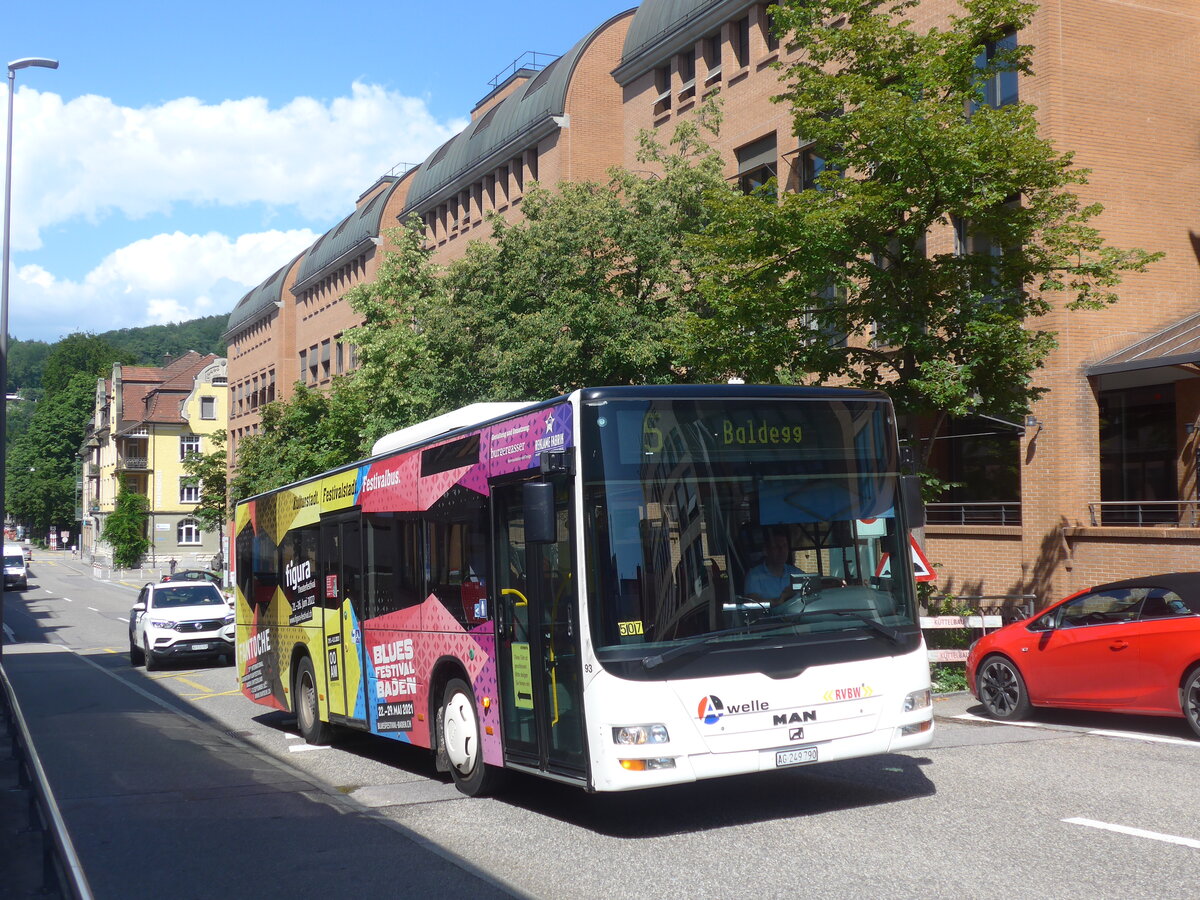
x: 183, y: 152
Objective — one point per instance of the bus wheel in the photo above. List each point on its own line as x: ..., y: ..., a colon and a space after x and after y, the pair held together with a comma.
x: 462, y: 736
x: 308, y: 712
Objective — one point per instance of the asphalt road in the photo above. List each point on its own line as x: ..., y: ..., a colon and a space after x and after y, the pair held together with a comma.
x: 1069, y: 806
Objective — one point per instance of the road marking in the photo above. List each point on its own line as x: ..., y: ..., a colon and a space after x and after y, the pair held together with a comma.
x: 1135, y: 832
x: 68, y: 599
x: 93, y: 609
x: 1099, y: 732
x: 119, y: 619
x: 209, y: 696
x: 304, y: 748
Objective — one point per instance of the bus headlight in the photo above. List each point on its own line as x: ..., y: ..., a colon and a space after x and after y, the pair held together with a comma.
x: 640, y: 734
x: 917, y: 700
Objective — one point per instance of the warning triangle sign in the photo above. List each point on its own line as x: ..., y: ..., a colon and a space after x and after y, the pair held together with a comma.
x: 921, y: 567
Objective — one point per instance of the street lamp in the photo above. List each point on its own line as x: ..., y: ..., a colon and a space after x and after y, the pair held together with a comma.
x: 12, y: 79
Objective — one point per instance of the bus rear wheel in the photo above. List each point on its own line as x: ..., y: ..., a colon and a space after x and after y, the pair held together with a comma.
x: 462, y: 738
x: 308, y: 711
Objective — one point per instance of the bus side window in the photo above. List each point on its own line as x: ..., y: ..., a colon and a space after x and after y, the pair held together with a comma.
x: 458, y: 562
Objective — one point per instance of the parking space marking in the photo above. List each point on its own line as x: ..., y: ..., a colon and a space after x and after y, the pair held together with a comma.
x: 1100, y: 732
x: 1136, y: 832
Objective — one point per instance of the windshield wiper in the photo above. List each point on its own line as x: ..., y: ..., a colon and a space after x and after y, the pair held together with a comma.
x: 874, y: 624
x: 653, y: 662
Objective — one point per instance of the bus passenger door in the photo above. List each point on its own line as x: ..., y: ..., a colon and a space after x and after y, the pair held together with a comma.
x: 538, y: 638
x: 342, y: 592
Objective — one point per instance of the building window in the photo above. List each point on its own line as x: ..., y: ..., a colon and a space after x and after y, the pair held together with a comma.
x: 189, y: 490
x: 662, y: 84
x: 1138, y: 455
x: 1001, y: 88
x: 741, y: 42
x: 208, y: 407
x: 325, y: 359
x: 756, y: 164
x: 340, y: 355
x: 712, y: 57
x: 769, y: 33
x: 188, y: 443
x: 687, y: 74
x: 812, y: 164
x: 188, y: 533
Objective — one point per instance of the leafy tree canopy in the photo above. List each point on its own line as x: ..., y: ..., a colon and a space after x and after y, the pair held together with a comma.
x: 42, y: 463
x: 934, y: 236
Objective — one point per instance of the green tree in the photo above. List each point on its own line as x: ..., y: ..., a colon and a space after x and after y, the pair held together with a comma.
x: 78, y: 353
x: 304, y: 436
x: 125, y: 528
x: 42, y: 462
x: 912, y: 159
x: 585, y: 289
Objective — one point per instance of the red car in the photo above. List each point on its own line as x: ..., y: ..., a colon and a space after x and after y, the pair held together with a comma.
x: 1129, y: 646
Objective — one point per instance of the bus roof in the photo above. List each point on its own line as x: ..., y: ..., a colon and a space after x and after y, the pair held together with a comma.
x: 480, y: 414
x: 474, y: 414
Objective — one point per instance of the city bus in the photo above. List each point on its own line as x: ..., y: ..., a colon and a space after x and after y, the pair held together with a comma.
x: 620, y: 588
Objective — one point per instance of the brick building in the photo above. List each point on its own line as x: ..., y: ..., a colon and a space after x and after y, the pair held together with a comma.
x: 1100, y: 481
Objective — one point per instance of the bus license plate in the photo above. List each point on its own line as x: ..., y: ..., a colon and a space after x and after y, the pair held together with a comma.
x: 796, y: 757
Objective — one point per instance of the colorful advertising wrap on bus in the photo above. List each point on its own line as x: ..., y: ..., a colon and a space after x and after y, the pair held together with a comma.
x: 380, y: 665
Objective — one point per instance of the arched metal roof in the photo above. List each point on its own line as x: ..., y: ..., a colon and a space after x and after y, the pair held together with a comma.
x: 359, y: 226
x: 670, y: 25
x: 537, y: 100
x: 259, y: 299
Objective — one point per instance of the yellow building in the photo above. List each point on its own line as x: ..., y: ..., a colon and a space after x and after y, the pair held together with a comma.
x: 146, y: 420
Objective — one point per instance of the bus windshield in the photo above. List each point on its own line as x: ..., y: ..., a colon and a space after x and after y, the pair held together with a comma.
x: 718, y: 527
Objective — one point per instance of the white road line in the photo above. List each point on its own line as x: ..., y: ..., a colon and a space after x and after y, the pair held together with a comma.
x: 304, y: 748
x: 68, y: 599
x: 119, y: 619
x: 1100, y: 732
x: 1136, y: 832
x: 93, y: 609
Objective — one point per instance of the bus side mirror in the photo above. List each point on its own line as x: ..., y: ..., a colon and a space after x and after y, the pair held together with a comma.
x: 910, y: 495
x: 538, y: 499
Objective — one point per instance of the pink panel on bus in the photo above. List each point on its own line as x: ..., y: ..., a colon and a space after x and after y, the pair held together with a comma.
x: 391, y: 485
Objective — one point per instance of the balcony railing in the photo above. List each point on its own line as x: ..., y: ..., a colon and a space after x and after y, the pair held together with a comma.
x: 973, y: 513
x: 1145, y: 513
x: 132, y: 462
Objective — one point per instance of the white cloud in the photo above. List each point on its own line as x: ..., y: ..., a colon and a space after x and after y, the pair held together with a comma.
x: 165, y: 278
x: 89, y: 157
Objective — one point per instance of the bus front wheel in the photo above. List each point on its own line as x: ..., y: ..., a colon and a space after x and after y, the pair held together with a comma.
x: 308, y: 711
x: 463, y: 741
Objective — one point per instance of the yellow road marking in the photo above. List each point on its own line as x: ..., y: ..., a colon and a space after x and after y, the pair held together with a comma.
x: 214, y: 694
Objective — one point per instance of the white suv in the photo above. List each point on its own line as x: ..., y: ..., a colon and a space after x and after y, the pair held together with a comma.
x: 180, y: 620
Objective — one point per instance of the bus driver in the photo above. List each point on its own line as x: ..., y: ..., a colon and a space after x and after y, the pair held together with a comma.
x: 771, y: 580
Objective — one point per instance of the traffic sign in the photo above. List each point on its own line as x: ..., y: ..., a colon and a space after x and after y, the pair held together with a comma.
x: 921, y: 566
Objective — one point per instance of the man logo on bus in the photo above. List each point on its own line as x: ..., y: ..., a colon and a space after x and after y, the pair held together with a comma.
x: 711, y: 709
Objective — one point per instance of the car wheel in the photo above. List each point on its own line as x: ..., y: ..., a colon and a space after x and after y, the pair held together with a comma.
x: 462, y: 735
x: 1189, y: 698
x: 136, y: 655
x: 308, y: 712
x: 1002, y: 689
x: 152, y: 662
